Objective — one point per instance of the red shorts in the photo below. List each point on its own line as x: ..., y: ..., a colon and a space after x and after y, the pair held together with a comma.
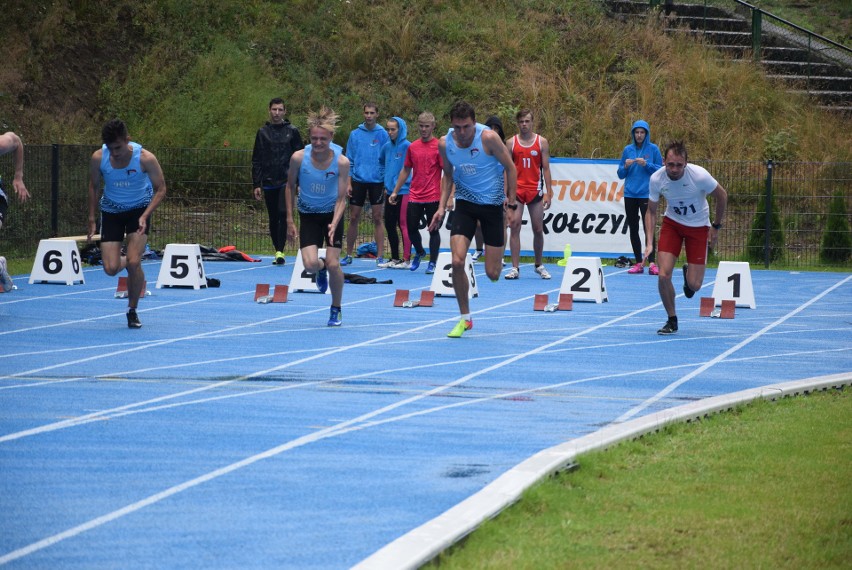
x: 528, y: 195
x: 674, y: 235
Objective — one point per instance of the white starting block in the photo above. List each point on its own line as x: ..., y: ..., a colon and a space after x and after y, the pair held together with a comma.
x: 733, y: 281
x: 584, y: 279
x: 57, y: 261
x: 182, y: 267
x: 303, y: 281
x: 442, y: 279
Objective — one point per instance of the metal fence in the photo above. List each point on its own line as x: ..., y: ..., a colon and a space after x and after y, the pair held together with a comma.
x: 209, y: 202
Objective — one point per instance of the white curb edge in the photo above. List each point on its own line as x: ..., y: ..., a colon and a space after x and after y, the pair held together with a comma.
x: 425, y: 542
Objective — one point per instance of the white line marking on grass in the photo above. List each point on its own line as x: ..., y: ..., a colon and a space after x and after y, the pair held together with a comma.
x: 674, y: 385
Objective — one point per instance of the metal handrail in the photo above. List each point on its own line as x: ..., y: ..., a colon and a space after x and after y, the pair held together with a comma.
x: 809, y: 33
x: 841, y: 53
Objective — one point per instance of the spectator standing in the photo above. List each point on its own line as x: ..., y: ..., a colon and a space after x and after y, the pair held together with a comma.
x: 531, y: 156
x: 365, y: 178
x: 425, y: 190
x: 639, y: 160
x: 274, y: 144
x: 392, y: 160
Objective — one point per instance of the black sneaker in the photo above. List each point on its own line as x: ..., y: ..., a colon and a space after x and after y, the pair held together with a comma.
x: 669, y: 328
x: 686, y: 290
x: 133, y: 319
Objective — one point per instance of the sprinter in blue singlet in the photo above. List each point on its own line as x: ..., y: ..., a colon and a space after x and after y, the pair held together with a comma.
x: 475, y: 159
x: 319, y: 174
x: 133, y: 187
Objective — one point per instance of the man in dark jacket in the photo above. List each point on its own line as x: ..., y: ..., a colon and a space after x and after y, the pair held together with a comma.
x: 274, y: 144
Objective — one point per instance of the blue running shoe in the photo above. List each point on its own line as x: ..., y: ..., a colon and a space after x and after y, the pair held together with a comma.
x: 335, y: 317
x: 346, y: 260
x: 430, y: 269
x: 322, y: 280
x: 415, y: 263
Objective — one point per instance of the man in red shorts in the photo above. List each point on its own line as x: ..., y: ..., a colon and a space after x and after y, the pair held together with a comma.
x: 531, y: 155
x: 686, y: 222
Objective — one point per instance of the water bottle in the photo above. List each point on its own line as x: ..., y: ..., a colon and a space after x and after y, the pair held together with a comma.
x: 566, y: 255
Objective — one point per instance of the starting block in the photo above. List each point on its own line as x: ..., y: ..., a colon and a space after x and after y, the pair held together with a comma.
x: 708, y: 308
x: 566, y: 303
x: 427, y: 299
x: 279, y: 293
x: 121, y: 288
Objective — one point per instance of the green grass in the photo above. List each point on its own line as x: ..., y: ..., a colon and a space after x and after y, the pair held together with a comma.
x: 766, y: 486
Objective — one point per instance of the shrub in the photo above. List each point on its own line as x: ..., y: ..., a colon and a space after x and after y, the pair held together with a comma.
x: 756, y: 236
x: 836, y: 246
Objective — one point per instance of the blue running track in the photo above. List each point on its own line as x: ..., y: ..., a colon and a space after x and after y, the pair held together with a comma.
x: 231, y: 434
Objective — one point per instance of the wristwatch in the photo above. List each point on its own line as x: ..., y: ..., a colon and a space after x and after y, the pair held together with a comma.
x: 512, y: 206
x: 716, y: 226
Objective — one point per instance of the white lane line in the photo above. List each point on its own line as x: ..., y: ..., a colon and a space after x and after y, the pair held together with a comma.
x: 674, y: 385
x: 338, y: 429
x: 96, y: 415
x: 495, y: 396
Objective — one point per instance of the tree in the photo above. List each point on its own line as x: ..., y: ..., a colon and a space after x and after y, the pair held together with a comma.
x: 836, y: 246
x: 757, y: 235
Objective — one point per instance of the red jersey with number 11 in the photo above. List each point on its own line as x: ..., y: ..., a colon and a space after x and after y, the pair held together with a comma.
x: 527, y: 161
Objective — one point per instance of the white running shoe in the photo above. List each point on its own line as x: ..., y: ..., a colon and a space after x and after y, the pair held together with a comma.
x: 541, y: 270
x: 400, y: 265
x: 5, y: 279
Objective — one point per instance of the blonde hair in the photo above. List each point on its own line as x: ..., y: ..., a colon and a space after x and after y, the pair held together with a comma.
x: 426, y: 117
x: 325, y: 118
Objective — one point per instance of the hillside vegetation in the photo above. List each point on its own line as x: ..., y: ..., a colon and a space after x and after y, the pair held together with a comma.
x: 191, y: 73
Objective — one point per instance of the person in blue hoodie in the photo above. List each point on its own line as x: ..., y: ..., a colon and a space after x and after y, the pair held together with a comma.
x: 639, y: 160
x: 391, y: 162
x: 365, y: 178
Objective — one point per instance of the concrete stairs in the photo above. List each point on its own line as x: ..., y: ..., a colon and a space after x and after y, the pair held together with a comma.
x: 784, y: 57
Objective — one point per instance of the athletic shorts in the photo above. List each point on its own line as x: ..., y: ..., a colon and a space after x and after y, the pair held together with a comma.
x: 466, y: 214
x: 114, y: 226
x: 313, y: 230
x: 674, y: 235
x: 529, y: 196
x: 4, y: 207
x: 361, y: 190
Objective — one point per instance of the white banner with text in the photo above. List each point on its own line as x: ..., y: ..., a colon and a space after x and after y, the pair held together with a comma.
x: 587, y: 211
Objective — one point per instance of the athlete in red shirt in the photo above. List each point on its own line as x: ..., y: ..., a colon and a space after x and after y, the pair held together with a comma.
x: 531, y: 155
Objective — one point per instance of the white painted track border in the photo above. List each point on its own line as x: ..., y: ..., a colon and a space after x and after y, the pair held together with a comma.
x: 425, y: 542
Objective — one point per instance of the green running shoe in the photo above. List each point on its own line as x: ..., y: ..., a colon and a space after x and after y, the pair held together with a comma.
x: 459, y: 329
